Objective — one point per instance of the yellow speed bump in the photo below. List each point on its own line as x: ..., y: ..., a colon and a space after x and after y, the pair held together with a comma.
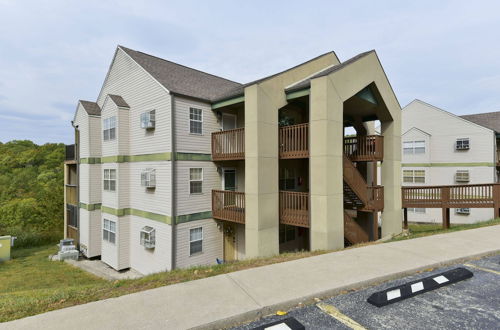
x: 336, y: 314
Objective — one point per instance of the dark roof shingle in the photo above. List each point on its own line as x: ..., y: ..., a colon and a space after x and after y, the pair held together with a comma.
x: 489, y: 120
x: 92, y: 108
x: 182, y: 80
x: 119, y: 101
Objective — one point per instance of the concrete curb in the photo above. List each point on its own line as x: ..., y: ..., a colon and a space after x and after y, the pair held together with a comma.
x: 310, y: 299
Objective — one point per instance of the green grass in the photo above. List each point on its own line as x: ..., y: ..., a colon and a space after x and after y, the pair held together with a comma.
x: 31, y: 284
x: 420, y: 230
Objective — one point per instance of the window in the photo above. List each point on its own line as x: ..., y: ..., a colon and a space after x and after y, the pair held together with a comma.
x: 416, y: 210
x: 195, y: 240
x: 287, y: 179
x: 195, y: 121
x: 109, y: 180
x: 109, y: 128
x: 109, y: 231
x: 148, y: 119
x: 148, y: 237
x: 195, y: 180
x: 148, y: 178
x: 72, y: 212
x: 462, y: 176
x: 462, y: 144
x: 465, y: 211
x: 413, y: 176
x: 413, y: 147
x: 286, y: 233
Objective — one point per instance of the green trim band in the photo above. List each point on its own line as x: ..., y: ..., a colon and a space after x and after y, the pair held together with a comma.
x: 297, y: 94
x: 155, y: 216
x: 447, y: 164
x: 90, y: 207
x: 165, y: 156
x: 225, y: 103
x: 192, y: 156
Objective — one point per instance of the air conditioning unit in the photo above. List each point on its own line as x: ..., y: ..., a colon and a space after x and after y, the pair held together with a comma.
x: 66, y: 245
x: 148, y: 119
x: 148, y: 178
x: 148, y: 237
x: 462, y: 144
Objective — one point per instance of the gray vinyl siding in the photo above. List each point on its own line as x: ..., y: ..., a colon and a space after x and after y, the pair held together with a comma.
x: 157, y: 200
x: 95, y: 136
x: 193, y: 203
x: 212, y: 244
x: 148, y: 261
x: 193, y: 143
x: 142, y: 93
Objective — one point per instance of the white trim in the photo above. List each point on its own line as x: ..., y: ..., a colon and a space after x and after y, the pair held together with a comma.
x: 417, y: 129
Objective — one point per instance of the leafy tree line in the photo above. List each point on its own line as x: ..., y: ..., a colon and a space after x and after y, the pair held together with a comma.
x: 31, y: 191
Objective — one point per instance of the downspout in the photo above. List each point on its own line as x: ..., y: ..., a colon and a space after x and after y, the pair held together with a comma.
x: 173, y: 196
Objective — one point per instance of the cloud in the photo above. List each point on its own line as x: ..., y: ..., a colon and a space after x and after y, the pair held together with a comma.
x: 55, y: 53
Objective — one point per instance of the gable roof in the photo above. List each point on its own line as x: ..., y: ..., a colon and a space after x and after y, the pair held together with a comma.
x: 489, y: 120
x: 306, y: 83
x: 92, y: 108
x: 416, y: 129
x: 182, y: 80
x: 119, y: 101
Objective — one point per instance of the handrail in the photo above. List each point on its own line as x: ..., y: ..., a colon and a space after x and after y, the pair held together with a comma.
x: 355, y: 181
x: 294, y: 141
x: 228, y: 144
x: 228, y: 205
x: 364, y: 148
x: 294, y: 208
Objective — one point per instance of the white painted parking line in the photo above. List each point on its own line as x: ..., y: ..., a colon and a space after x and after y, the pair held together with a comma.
x: 336, y: 314
x: 417, y: 287
x: 440, y: 279
x: 393, y: 294
x: 281, y: 326
x: 483, y: 269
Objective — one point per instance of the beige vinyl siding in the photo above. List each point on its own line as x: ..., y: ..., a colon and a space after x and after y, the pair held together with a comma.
x: 240, y: 241
x: 123, y: 185
x: 212, y: 244
x: 142, y: 93
x: 82, y: 122
x: 123, y: 242
x: 84, y: 231
x: 148, y: 261
x: 95, y: 136
x: 193, y: 203
x: 94, y: 247
x: 110, y: 198
x: 123, y: 131
x: 90, y: 183
x: 158, y: 199
x: 193, y: 143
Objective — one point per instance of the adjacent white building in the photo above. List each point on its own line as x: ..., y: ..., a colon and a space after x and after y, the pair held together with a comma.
x: 440, y: 148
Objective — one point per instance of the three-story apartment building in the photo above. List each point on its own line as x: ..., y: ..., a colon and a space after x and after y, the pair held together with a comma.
x: 440, y: 148
x: 175, y: 167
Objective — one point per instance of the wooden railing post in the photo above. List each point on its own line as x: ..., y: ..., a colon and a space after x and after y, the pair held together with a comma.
x: 496, y: 200
x: 405, y: 218
x: 445, y: 202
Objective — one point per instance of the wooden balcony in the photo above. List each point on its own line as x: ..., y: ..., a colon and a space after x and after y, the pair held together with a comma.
x: 376, y: 195
x: 364, y: 148
x: 456, y: 196
x: 228, y: 205
x: 294, y: 141
x: 294, y: 208
x: 71, y: 192
x: 228, y: 145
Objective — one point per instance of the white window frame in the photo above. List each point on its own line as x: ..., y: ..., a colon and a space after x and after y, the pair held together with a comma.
x: 199, y: 180
x: 191, y: 253
x: 462, y: 176
x: 108, y: 126
x: 148, y: 178
x: 108, y: 231
x: 411, y: 174
x: 461, y: 142
x: 195, y: 120
x: 107, y: 177
x: 411, y: 147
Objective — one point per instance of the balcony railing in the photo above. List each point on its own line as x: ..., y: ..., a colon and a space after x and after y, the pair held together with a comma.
x: 228, y: 145
x: 228, y: 205
x: 364, y: 148
x: 70, y: 152
x: 376, y: 195
x: 294, y: 141
x: 294, y: 208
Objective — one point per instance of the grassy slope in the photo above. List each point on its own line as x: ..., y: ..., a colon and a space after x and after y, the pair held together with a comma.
x: 31, y: 284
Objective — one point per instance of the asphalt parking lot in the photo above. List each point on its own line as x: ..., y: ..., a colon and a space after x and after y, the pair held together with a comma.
x: 470, y: 304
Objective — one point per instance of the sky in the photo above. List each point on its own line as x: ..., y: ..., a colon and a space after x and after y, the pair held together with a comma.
x: 54, y: 53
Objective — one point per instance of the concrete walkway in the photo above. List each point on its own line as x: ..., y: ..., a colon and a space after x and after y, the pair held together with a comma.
x: 225, y: 299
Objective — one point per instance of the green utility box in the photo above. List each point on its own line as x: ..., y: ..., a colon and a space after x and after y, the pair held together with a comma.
x: 5, y: 242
